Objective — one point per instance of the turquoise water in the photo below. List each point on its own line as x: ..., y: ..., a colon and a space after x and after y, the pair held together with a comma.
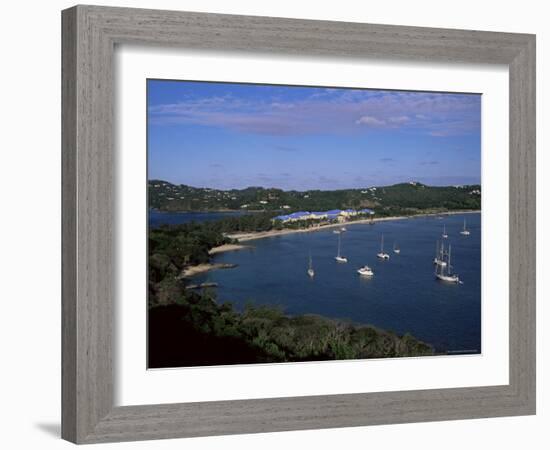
x: 403, y: 295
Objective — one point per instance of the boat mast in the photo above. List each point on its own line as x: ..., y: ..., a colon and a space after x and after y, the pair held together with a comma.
x: 438, y: 268
x: 382, y: 244
x: 449, y: 262
x: 339, y: 236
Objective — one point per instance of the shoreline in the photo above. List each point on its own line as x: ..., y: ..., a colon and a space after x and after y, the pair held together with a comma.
x: 227, y: 248
x: 192, y: 271
x: 244, y: 237
x: 199, y: 269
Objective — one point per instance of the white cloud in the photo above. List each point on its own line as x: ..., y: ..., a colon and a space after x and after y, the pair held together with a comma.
x: 399, y: 120
x: 370, y: 120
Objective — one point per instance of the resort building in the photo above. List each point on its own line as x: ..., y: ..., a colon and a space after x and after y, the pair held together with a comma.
x: 318, y: 215
x: 334, y: 215
x: 348, y: 212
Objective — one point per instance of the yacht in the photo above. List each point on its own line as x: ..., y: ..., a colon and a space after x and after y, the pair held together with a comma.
x: 339, y: 257
x: 464, y: 231
x: 396, y: 249
x: 444, y: 235
x: 365, y: 271
x: 439, y: 259
x: 444, y: 273
x: 310, y: 270
x: 381, y: 254
x: 343, y: 229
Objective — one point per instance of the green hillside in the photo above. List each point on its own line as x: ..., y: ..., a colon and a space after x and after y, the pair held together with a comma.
x: 401, y: 197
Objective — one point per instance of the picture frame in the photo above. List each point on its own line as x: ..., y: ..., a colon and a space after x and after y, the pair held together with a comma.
x: 90, y: 34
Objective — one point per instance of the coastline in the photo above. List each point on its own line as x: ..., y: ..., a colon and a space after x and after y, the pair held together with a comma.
x: 244, y: 237
x: 192, y: 271
x: 227, y: 248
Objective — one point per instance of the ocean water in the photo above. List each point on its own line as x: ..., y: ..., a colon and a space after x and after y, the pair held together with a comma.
x: 402, y: 296
x: 158, y: 218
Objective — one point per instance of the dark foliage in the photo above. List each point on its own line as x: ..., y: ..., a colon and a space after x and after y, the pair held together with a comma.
x: 198, y: 331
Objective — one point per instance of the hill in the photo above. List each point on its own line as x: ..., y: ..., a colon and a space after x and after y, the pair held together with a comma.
x: 397, y: 198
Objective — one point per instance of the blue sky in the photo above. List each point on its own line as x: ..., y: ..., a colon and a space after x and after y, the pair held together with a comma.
x: 229, y: 135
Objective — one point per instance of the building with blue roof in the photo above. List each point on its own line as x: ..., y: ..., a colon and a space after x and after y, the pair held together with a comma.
x: 348, y: 212
x: 333, y: 214
x: 366, y: 211
x: 283, y: 218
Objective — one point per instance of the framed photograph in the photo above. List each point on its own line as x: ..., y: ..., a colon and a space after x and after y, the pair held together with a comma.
x: 335, y: 219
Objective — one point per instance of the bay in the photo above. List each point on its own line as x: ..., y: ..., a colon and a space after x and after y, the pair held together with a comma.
x: 402, y: 296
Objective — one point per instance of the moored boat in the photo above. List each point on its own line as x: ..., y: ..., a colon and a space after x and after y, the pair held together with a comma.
x: 382, y: 254
x: 439, y: 259
x: 310, y: 270
x: 365, y: 271
x: 465, y: 231
x: 338, y: 256
x: 444, y: 273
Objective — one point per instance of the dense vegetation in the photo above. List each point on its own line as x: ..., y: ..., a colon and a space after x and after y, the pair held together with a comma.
x: 197, y: 331
x: 384, y: 199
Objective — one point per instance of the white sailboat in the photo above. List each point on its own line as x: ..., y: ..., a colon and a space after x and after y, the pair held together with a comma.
x: 339, y: 257
x: 365, y: 271
x: 343, y: 229
x: 310, y: 270
x: 439, y: 259
x: 446, y: 275
x: 464, y: 231
x: 381, y: 254
x: 444, y: 235
x: 396, y: 249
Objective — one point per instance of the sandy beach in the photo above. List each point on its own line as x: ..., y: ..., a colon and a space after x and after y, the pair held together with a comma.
x: 227, y: 248
x: 244, y: 237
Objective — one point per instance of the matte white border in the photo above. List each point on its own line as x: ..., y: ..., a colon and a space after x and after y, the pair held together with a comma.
x: 136, y: 385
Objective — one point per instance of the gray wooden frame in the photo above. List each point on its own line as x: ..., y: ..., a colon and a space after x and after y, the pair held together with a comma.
x: 89, y: 36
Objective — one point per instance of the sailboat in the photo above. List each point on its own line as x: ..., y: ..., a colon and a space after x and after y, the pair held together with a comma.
x: 381, y: 254
x: 464, y: 231
x: 396, y: 249
x: 310, y: 270
x: 446, y: 275
x: 444, y: 235
x: 365, y: 271
x: 439, y: 259
x: 339, y: 257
